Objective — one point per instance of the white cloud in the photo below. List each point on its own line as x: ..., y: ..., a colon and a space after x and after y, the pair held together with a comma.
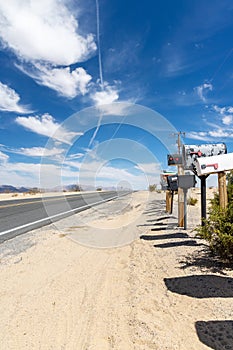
x: 40, y: 152
x: 44, y: 30
x: 220, y: 133
x: 31, y: 152
x: 226, y: 114
x: 211, y: 135
x: 203, y: 89
x: 26, y: 174
x: 196, y: 135
x: 227, y: 120
x: 9, y: 100
x: 3, y: 158
x: 47, y: 126
x: 105, y: 97
x: 66, y: 82
x: 220, y: 110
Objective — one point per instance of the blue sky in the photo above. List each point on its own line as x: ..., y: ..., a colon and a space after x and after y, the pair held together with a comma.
x: 59, y: 58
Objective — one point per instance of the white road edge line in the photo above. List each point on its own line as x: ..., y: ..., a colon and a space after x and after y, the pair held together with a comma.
x: 55, y: 216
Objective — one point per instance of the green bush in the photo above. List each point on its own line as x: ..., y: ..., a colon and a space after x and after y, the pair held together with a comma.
x: 152, y: 188
x: 218, y: 229
x: 192, y: 201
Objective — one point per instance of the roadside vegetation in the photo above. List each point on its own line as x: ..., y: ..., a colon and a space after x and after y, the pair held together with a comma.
x: 192, y: 201
x: 152, y: 188
x: 218, y: 229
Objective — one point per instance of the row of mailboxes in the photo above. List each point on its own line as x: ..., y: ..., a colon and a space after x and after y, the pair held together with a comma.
x: 192, y: 153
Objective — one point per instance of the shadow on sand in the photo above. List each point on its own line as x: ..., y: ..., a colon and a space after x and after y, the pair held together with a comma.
x: 165, y: 236
x: 188, y: 243
x: 201, y: 286
x: 217, y: 335
x: 205, y: 260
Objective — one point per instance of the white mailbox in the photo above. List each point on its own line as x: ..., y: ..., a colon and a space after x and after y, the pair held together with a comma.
x: 193, y: 152
x: 214, y: 164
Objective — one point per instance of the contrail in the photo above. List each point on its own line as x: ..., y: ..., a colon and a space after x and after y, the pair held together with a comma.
x: 98, y: 42
x: 100, y: 67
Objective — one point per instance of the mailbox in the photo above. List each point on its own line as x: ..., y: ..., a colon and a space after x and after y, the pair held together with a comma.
x: 172, y: 183
x: 186, y: 181
x: 163, y: 179
x: 174, y: 159
x: 192, y: 152
x: 214, y: 164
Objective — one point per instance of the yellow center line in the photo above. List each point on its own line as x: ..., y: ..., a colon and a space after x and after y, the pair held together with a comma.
x: 36, y: 201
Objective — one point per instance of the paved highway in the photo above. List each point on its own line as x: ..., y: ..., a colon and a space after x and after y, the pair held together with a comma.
x: 20, y: 216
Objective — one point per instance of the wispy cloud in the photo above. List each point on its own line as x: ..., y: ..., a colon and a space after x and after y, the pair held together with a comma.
x: 47, y: 126
x: 3, y: 158
x: 10, y: 100
x: 203, y: 89
x: 222, y: 128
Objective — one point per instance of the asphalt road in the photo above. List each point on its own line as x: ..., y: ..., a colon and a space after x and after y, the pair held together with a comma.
x: 20, y: 216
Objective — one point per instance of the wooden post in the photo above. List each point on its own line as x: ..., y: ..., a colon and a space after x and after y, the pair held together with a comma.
x: 169, y: 202
x: 180, y: 200
x: 222, y: 188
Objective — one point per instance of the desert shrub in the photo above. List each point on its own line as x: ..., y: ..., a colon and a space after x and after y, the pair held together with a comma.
x: 218, y: 229
x: 152, y: 188
x: 192, y: 201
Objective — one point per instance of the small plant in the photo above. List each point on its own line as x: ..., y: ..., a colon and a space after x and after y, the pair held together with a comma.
x: 218, y: 229
x: 192, y: 201
x: 15, y: 195
x: 152, y: 188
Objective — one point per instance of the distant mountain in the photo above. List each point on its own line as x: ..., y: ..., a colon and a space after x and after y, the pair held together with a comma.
x: 13, y: 189
x: 68, y: 188
x: 7, y: 188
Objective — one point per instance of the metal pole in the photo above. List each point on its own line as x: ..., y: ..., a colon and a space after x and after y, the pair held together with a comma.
x: 203, y: 199
x: 172, y: 202
x: 185, y: 209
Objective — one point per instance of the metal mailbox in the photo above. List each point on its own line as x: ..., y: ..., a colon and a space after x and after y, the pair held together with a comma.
x: 186, y: 181
x: 172, y: 183
x: 192, y: 152
x: 174, y: 159
x: 214, y: 164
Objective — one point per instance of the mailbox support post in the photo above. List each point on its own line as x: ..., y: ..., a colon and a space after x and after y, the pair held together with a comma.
x: 169, y: 201
x: 203, y: 199
x: 222, y: 188
x: 185, y: 208
x: 172, y: 197
x: 180, y: 200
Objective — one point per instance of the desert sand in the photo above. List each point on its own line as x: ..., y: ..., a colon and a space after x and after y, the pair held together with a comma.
x: 122, y: 276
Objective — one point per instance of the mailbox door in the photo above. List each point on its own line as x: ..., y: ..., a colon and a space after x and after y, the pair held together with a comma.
x: 211, y: 165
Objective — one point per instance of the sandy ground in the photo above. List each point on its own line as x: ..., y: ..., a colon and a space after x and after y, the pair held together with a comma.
x: 161, y: 290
